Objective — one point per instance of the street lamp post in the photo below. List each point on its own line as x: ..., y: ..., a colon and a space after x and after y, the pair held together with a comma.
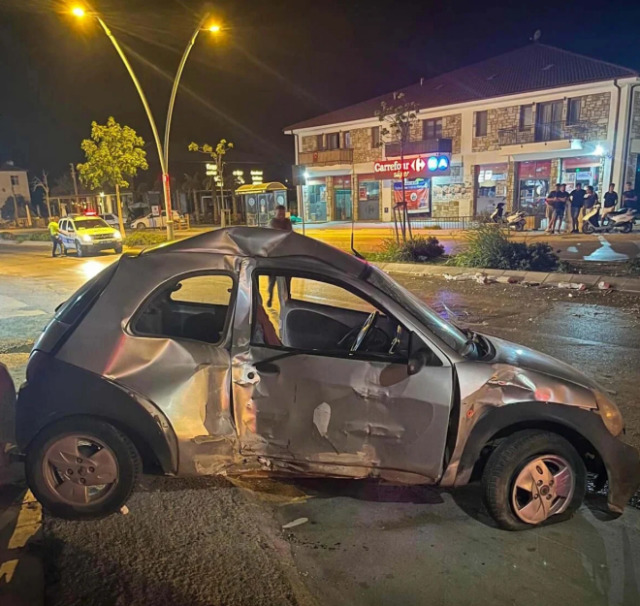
x: 163, y: 152
x: 172, y: 100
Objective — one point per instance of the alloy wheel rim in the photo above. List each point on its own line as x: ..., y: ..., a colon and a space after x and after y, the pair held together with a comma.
x: 543, y: 488
x: 80, y: 470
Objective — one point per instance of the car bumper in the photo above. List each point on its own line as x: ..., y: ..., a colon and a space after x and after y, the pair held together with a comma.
x: 623, y: 470
x: 104, y: 245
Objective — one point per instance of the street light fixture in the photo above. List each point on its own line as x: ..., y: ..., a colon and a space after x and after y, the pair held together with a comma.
x: 163, y: 151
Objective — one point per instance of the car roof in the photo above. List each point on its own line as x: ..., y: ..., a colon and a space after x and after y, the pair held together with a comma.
x: 265, y: 243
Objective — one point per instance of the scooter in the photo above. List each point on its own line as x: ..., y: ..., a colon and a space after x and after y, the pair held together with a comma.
x: 515, y: 220
x: 617, y: 220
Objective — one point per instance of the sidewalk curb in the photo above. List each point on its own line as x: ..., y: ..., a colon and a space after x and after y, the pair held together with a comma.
x: 591, y: 281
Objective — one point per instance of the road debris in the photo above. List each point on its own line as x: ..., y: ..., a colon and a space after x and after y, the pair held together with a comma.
x: 572, y: 285
x: 298, y: 522
x: 124, y: 510
x: 604, y: 285
x: 507, y: 280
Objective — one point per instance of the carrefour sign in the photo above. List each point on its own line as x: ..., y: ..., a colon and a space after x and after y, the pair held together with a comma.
x: 435, y: 165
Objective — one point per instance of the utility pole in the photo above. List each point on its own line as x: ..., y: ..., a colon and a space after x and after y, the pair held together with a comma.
x: 75, y: 183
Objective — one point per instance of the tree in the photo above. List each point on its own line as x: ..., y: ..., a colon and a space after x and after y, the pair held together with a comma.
x: 43, y: 184
x: 114, y: 153
x: 217, y: 155
x: 399, y: 117
x: 191, y: 185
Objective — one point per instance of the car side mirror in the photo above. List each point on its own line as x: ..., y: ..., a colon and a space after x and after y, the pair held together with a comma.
x: 417, y: 361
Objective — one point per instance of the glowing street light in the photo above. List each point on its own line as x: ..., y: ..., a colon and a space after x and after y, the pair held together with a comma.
x: 215, y: 28
x: 78, y: 11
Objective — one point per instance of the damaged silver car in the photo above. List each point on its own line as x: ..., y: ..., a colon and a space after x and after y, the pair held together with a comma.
x: 176, y: 361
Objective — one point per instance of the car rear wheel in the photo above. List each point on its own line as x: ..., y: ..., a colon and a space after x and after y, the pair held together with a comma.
x: 82, y: 468
x: 532, y: 477
x: 141, y: 226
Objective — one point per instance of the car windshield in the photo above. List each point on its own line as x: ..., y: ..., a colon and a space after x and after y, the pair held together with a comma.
x: 450, y: 334
x: 89, y: 223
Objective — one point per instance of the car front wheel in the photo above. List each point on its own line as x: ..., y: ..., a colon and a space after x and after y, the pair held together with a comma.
x: 82, y: 468
x: 141, y: 226
x: 532, y: 477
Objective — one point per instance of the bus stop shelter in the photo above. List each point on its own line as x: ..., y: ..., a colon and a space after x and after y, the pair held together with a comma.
x: 260, y: 201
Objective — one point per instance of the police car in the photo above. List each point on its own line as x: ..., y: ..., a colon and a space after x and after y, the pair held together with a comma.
x: 88, y: 234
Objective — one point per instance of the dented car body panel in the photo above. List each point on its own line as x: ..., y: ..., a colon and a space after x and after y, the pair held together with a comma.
x: 224, y: 402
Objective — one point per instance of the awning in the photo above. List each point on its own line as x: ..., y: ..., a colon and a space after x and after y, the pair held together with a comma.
x: 261, y: 188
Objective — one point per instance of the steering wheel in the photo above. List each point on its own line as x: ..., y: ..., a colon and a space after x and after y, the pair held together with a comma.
x: 362, y: 332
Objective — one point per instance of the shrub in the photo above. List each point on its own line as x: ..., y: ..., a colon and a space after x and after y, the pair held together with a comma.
x: 34, y: 236
x: 418, y: 250
x: 145, y: 238
x: 489, y: 247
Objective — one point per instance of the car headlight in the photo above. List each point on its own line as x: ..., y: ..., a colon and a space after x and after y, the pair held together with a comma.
x: 87, y: 238
x: 610, y: 414
x: 117, y: 235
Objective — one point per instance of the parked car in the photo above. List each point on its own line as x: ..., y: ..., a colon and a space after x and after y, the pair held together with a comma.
x: 87, y: 234
x: 151, y: 221
x: 169, y: 361
x: 111, y: 220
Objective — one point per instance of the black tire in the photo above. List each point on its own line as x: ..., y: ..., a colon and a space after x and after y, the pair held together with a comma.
x: 80, y: 250
x: 118, y: 249
x: 141, y: 226
x: 128, y: 463
x: 626, y: 229
x: 509, y: 458
x: 587, y: 228
x: 519, y: 226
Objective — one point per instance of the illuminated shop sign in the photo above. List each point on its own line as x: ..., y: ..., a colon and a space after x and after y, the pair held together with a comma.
x: 423, y: 166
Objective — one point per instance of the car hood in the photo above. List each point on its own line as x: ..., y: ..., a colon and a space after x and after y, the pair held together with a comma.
x: 513, y: 354
x: 97, y: 231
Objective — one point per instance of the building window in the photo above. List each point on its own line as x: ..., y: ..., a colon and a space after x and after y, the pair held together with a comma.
x: 375, y: 137
x: 526, y: 117
x: 320, y: 142
x: 347, y: 140
x: 481, y: 123
x: 573, y: 111
x: 432, y: 129
x: 333, y: 140
x: 15, y: 180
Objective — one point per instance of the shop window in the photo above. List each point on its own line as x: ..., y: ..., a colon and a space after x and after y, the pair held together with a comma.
x: 526, y: 117
x: 195, y: 308
x: 481, y: 123
x: 432, y: 129
x: 573, y: 111
x: 333, y: 140
x: 375, y: 137
x: 15, y: 180
x: 347, y: 140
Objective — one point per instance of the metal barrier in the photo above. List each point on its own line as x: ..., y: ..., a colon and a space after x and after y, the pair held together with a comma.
x: 446, y: 222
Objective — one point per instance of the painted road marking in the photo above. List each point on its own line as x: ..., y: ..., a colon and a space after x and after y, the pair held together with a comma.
x: 7, y: 570
x: 29, y: 521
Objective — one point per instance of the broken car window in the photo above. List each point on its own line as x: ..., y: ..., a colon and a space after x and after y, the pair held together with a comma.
x: 194, y: 308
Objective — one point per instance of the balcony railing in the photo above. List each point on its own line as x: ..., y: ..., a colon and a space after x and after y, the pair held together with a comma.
x: 414, y: 148
x: 551, y: 131
x: 326, y: 157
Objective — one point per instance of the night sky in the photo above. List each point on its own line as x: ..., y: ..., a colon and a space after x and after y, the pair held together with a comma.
x: 278, y: 62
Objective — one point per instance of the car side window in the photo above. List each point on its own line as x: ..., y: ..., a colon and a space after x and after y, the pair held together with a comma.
x: 70, y: 226
x: 195, y: 307
x: 312, y: 314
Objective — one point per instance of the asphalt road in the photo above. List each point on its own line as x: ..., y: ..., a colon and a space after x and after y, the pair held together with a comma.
x: 210, y: 541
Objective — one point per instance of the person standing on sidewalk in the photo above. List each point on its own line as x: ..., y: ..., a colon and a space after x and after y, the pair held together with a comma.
x: 280, y: 221
x: 560, y: 207
x: 630, y: 197
x: 55, y: 238
x: 577, y: 202
x: 550, y: 202
x: 610, y: 201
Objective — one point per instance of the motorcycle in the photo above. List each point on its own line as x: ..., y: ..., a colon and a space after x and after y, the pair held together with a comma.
x: 617, y: 220
x: 515, y: 219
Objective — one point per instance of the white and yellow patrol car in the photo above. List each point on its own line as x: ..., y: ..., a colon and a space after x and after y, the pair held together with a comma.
x: 88, y: 234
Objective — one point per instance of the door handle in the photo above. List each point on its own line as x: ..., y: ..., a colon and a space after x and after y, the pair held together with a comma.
x: 268, y: 368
